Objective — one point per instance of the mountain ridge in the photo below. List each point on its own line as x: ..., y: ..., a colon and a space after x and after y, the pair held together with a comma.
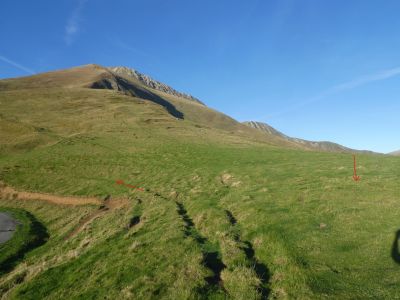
x: 130, y: 82
x: 317, y: 145
x: 82, y: 79
x: 150, y: 82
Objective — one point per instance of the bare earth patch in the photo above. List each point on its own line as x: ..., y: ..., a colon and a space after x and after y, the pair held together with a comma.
x: 107, y: 204
x: 86, y: 221
x: 9, y: 192
x: 228, y: 180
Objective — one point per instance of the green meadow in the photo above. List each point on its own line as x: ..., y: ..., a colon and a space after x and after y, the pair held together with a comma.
x: 221, y: 215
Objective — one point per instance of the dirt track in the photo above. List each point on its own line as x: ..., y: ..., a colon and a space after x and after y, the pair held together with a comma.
x: 107, y: 204
x: 8, y: 192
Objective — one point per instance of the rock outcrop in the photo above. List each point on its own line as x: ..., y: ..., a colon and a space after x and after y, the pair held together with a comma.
x: 150, y: 82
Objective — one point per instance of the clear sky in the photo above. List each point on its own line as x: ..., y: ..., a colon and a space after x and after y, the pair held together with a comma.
x: 313, y: 69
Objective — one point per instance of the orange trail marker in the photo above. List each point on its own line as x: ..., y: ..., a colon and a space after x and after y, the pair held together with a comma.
x: 355, y: 177
x: 121, y: 182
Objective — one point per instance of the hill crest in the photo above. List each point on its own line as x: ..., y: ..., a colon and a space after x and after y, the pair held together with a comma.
x: 150, y: 82
x: 312, y: 145
x: 127, y: 81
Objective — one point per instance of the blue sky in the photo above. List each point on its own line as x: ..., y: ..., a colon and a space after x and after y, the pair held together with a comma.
x: 318, y: 70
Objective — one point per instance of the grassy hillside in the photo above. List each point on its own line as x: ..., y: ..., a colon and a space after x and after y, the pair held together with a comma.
x: 97, y: 77
x: 222, y: 214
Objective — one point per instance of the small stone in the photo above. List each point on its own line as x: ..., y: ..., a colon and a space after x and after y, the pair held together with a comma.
x: 173, y: 194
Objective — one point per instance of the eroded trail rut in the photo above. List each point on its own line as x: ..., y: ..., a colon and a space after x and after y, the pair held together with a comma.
x: 211, y: 259
x: 107, y: 204
x: 211, y: 253
x: 260, y: 268
x: 86, y: 221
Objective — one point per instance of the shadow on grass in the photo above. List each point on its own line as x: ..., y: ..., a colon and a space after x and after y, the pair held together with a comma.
x: 260, y: 269
x: 211, y: 259
x: 37, y: 236
x: 134, y: 221
x: 395, y: 248
x: 135, y: 91
x: 231, y: 218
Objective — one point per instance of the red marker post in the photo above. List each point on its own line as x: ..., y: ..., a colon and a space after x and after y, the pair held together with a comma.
x: 355, y: 177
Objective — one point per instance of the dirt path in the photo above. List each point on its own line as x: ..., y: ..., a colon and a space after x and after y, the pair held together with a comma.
x: 8, y: 192
x: 106, y: 205
x: 86, y: 221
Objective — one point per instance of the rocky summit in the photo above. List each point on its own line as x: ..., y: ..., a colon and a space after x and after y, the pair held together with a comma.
x: 150, y: 82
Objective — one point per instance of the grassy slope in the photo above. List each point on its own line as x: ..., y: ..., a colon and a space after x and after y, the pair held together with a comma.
x: 212, y: 199
x: 30, y: 233
x: 210, y: 118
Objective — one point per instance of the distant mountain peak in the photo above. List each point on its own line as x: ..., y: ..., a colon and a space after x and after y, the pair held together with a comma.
x: 320, y: 146
x: 265, y: 128
x: 152, y: 83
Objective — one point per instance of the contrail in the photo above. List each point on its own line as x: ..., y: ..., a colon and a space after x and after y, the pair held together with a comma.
x: 382, y: 75
x: 385, y: 74
x: 17, y: 65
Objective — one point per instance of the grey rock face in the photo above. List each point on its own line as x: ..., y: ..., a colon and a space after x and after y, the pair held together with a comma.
x: 8, y: 225
x: 266, y: 128
x: 150, y: 82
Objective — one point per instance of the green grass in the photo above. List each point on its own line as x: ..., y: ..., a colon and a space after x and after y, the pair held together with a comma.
x: 30, y: 233
x: 254, y: 220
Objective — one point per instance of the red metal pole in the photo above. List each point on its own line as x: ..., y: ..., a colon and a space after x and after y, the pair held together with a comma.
x: 355, y: 177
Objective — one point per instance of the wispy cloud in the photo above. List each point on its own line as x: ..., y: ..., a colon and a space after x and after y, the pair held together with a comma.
x: 72, y: 27
x: 385, y: 74
x: 16, y: 65
x: 352, y: 84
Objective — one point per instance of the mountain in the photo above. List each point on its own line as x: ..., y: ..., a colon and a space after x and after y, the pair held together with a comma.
x: 131, y: 192
x: 150, y: 82
x: 311, y: 145
x: 164, y: 108
x: 98, y: 77
x: 129, y: 82
x: 396, y: 153
x: 266, y: 128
